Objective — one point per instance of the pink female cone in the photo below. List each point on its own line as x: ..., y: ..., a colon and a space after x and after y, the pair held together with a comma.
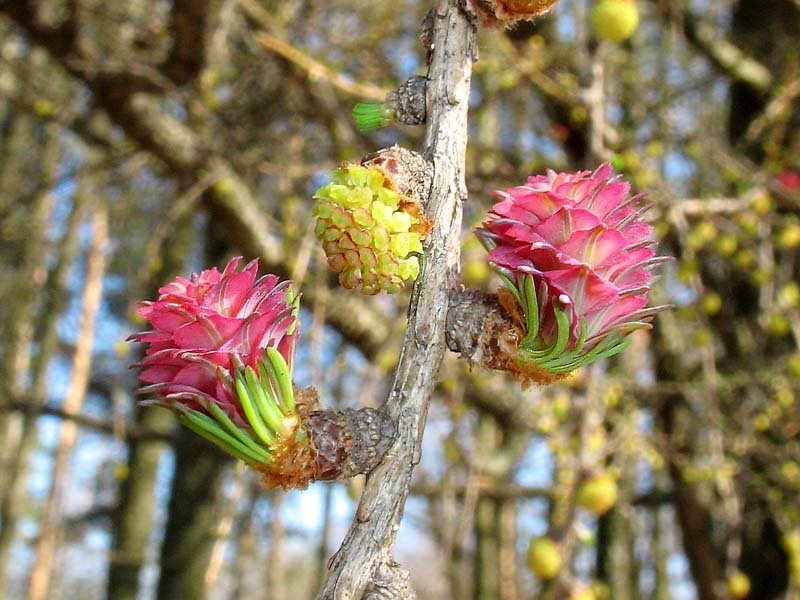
x: 216, y: 336
x: 220, y: 356
x: 577, y: 258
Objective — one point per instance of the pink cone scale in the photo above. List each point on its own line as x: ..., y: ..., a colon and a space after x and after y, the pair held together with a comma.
x: 574, y: 253
x: 220, y: 354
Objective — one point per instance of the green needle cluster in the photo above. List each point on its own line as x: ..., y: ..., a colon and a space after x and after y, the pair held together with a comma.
x: 373, y: 115
x: 555, y: 356
x: 267, y: 400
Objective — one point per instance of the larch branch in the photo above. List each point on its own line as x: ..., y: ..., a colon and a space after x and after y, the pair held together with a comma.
x: 364, y: 558
x: 306, y: 63
x: 727, y: 56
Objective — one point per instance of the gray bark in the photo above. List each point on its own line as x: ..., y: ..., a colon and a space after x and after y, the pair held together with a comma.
x: 366, y: 550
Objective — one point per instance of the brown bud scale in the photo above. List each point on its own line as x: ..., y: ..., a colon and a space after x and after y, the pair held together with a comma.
x: 487, y: 329
x: 507, y: 12
x: 348, y: 442
x: 409, y: 100
x: 409, y: 174
x: 331, y: 445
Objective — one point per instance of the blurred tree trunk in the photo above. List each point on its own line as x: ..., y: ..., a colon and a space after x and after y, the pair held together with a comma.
x: 15, y: 368
x: 662, y: 551
x: 487, y: 559
x: 55, y: 299
x: 133, y: 518
x: 32, y: 274
x: 507, y: 526
x: 230, y: 505
x: 274, y: 580
x: 190, y: 530
x: 616, y: 563
x: 495, y: 560
x: 763, y: 30
x: 50, y: 530
x: 245, y: 540
x: 695, y: 523
x: 693, y: 518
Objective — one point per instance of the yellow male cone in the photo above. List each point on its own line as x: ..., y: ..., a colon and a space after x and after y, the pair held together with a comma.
x: 544, y: 558
x: 598, y: 494
x: 614, y: 20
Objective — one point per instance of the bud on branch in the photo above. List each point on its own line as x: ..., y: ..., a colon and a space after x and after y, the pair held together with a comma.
x: 405, y: 105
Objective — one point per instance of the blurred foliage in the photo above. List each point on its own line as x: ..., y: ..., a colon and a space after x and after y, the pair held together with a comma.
x: 176, y: 115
